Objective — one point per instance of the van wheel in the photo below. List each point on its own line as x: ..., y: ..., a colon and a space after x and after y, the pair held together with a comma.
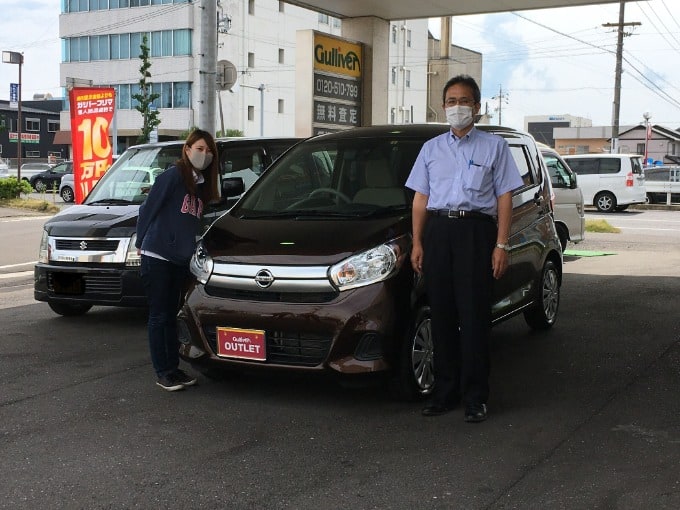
x: 67, y: 194
x: 563, y: 234
x: 542, y: 314
x: 69, y: 310
x: 605, y: 202
x: 415, y: 374
x: 650, y: 198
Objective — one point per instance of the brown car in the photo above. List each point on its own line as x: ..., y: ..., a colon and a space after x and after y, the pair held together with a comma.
x: 310, y: 270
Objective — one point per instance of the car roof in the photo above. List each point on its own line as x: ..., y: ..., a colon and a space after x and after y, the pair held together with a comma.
x: 603, y: 155
x: 172, y: 143
x: 428, y: 130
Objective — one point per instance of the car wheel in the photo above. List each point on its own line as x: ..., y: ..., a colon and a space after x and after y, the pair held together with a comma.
x: 69, y: 310
x: 542, y: 314
x: 605, y: 202
x: 40, y: 185
x: 415, y: 373
x: 67, y: 194
x: 563, y: 234
x: 650, y: 199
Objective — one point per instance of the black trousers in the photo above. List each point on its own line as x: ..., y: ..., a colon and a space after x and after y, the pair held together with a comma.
x: 459, y: 285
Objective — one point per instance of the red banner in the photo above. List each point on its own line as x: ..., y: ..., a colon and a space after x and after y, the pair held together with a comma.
x: 91, y: 115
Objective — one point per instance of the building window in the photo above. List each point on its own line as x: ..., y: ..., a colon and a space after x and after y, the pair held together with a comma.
x: 582, y: 149
x: 394, y: 76
x: 251, y: 59
x: 407, y: 116
x: 32, y: 154
x: 323, y: 18
x: 251, y: 7
x: 640, y: 148
x: 32, y: 124
x: 280, y: 105
x: 282, y: 6
x: 52, y: 126
x: 407, y: 78
x: 408, y: 38
x: 394, y: 34
x: 281, y: 55
x: 392, y: 116
x: 336, y: 22
x: 251, y: 113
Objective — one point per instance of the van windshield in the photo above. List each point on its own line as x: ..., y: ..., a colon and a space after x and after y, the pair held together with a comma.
x: 130, y: 178
x: 351, y: 177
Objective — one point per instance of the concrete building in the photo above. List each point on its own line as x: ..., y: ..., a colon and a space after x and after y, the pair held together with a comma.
x: 585, y: 140
x: 541, y: 126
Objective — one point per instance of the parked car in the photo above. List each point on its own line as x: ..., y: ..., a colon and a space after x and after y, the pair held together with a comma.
x: 67, y: 188
x: 87, y: 253
x: 610, y: 182
x: 660, y: 181
x: 28, y: 170
x: 570, y: 218
x: 51, y: 179
x: 310, y: 270
x: 4, y: 169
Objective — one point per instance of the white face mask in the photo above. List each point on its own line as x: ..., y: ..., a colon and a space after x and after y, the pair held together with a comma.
x: 200, y: 160
x: 459, y: 116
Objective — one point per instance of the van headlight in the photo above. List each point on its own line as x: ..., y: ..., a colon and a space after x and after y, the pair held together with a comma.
x: 132, y: 258
x: 201, y: 264
x: 371, y: 266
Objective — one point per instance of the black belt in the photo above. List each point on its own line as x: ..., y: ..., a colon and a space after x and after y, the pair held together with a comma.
x: 450, y: 213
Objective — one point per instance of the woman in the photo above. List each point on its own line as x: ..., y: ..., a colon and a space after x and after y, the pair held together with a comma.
x: 169, y: 221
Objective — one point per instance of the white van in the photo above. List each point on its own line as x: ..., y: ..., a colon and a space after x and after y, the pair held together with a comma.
x: 570, y: 218
x: 610, y: 182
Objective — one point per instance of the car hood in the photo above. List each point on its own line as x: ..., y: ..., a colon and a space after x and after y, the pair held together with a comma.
x: 94, y: 221
x: 299, y: 242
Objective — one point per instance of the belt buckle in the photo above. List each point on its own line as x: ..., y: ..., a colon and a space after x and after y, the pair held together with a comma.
x: 452, y: 214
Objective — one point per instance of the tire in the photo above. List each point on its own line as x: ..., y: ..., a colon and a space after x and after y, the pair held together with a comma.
x: 67, y: 194
x: 650, y: 199
x: 542, y: 314
x: 414, y: 377
x: 39, y: 185
x: 69, y: 310
x: 605, y: 202
x: 563, y: 234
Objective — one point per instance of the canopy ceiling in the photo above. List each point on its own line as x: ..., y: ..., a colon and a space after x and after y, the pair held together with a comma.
x: 413, y: 9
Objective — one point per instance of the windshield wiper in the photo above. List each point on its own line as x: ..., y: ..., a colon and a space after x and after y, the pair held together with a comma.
x: 110, y: 201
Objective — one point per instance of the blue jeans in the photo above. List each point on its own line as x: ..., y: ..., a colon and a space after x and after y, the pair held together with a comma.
x: 164, y: 283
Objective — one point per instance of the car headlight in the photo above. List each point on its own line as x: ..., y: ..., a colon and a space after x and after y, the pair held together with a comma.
x: 201, y: 264
x: 371, y: 266
x: 44, y: 251
x: 132, y: 258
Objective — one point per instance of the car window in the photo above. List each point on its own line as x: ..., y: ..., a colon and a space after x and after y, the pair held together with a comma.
x: 521, y: 157
x: 560, y: 177
x: 130, y: 178
x: 610, y: 165
x: 657, y: 174
x: 636, y: 165
x: 584, y: 166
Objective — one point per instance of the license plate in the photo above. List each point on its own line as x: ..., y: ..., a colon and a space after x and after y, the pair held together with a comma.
x: 241, y: 343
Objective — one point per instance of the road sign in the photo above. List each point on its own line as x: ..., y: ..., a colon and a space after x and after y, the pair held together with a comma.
x: 226, y: 75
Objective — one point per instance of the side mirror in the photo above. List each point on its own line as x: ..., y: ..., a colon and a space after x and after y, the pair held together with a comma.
x: 232, y: 187
x: 574, y: 184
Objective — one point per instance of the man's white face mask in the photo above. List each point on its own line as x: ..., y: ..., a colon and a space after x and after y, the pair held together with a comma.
x: 459, y: 116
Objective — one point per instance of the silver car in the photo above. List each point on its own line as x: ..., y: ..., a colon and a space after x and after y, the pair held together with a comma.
x: 570, y: 220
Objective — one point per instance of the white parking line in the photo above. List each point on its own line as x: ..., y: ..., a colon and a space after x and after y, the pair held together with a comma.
x: 15, y: 275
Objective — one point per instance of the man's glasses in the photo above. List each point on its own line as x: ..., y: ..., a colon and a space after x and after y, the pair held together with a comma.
x: 463, y: 101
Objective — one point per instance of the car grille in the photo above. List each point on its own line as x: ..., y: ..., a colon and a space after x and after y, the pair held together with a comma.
x: 87, y: 244
x: 271, y: 297
x: 61, y: 283
x: 285, y: 348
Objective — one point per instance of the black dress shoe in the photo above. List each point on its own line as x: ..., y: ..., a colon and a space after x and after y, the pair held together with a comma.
x: 475, y: 413
x: 436, y: 409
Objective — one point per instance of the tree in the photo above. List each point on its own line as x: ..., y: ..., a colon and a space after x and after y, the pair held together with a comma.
x: 145, y: 97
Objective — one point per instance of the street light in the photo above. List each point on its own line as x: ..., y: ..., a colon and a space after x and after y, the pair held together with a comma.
x: 646, y: 116
x: 14, y: 57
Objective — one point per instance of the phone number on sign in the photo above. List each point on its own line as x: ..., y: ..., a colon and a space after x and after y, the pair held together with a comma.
x: 336, y: 88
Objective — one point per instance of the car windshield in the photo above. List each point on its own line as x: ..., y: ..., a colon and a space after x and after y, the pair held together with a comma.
x: 130, y: 178
x: 336, y: 178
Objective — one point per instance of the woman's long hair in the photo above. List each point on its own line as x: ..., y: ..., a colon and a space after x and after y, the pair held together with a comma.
x: 208, y: 192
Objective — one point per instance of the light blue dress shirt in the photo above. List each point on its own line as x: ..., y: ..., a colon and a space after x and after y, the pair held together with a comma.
x: 465, y: 174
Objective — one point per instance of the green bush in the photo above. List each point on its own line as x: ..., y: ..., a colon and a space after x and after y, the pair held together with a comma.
x: 11, y: 188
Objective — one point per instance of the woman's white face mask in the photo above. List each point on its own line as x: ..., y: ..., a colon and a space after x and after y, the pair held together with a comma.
x: 459, y: 116
x: 200, y: 160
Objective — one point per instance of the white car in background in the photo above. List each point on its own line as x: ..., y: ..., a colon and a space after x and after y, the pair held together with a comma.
x: 610, y: 182
x: 66, y: 188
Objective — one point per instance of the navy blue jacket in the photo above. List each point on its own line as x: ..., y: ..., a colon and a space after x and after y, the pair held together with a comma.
x: 169, y: 219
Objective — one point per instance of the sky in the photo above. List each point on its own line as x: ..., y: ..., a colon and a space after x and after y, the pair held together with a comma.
x: 538, y: 62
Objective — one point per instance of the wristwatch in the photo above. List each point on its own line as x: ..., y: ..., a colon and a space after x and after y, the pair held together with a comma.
x: 503, y: 246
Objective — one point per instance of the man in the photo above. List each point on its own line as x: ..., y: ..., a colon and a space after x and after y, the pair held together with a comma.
x: 462, y: 209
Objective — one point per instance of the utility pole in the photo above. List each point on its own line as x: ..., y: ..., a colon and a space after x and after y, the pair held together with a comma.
x: 501, y: 97
x: 207, y: 70
x: 616, y: 106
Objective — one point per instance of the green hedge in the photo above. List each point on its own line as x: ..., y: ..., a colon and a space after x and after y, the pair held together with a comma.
x: 11, y: 188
